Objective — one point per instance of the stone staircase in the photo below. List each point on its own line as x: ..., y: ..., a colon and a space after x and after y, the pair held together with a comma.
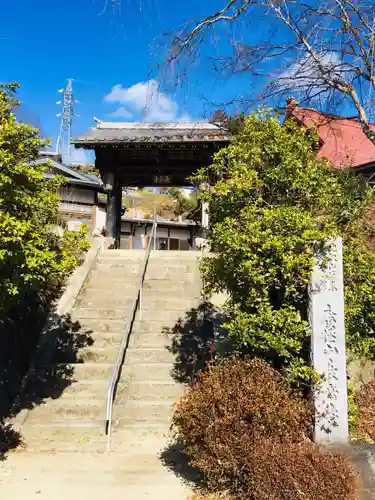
x: 64, y: 437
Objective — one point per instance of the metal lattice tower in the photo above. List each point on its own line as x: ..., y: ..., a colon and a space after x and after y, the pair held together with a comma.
x: 63, y: 144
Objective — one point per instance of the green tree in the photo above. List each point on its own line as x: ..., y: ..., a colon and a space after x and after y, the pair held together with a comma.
x: 31, y: 256
x: 273, y: 206
x: 183, y: 205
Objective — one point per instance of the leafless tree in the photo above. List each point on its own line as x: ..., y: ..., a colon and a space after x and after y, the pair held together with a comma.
x: 318, y: 51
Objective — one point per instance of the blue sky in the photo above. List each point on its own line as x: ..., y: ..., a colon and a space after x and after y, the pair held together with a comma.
x: 109, y: 55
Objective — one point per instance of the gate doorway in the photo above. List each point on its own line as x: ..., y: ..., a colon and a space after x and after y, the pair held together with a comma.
x: 148, y: 154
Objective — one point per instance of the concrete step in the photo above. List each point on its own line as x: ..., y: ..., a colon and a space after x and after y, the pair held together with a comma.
x: 148, y: 302
x: 59, y: 425
x: 89, y: 437
x: 147, y: 371
x: 129, y: 254
x: 99, y: 339
x: 172, y: 286
x: 141, y: 438
x: 69, y: 410
x: 154, y: 254
x: 100, y: 325
x: 84, y: 389
x: 140, y: 371
x: 146, y: 411
x: 106, y: 257
x: 128, y: 412
x: 99, y: 313
x: 152, y: 326
x: 168, y: 317
x: 110, y: 286
x: 121, y: 271
x: 149, y: 390
x: 169, y: 303
x: 151, y: 321
x: 179, y: 274
x: 80, y: 314
x: 184, y: 267
x: 151, y: 340
x: 88, y: 371
x: 106, y: 339
x: 99, y: 354
x: 112, y: 272
x: 126, y: 269
x: 51, y: 438
x: 103, y: 301
x: 105, y: 283
x: 92, y: 354
x: 135, y: 355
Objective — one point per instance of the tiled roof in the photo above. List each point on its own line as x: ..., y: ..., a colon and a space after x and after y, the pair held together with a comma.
x: 112, y: 133
x: 343, y: 141
x: 72, y: 175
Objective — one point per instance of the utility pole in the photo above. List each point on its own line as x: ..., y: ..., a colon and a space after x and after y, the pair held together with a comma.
x: 63, y: 144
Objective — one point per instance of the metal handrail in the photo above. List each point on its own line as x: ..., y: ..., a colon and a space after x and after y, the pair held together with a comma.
x: 124, y: 342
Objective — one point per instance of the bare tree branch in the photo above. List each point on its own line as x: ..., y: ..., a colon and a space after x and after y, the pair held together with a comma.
x: 322, y: 50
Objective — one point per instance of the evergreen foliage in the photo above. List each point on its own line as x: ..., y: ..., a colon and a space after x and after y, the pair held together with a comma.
x: 274, y: 206
x: 32, y: 257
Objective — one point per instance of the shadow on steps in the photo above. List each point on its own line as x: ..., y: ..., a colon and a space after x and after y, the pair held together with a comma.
x: 51, y: 372
x: 194, y: 341
x: 197, y: 339
x: 20, y: 330
x: 176, y: 460
x: 9, y: 440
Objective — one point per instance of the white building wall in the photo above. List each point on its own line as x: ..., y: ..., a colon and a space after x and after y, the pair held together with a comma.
x: 77, y: 195
x: 100, y: 218
x: 180, y: 234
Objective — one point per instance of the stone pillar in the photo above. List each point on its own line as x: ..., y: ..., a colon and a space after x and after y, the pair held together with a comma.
x: 205, y: 216
x: 326, y: 315
x: 205, y: 210
x: 201, y: 241
x: 114, y: 189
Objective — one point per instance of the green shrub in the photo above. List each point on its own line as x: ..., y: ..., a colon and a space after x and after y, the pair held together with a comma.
x: 273, y: 207
x: 31, y: 255
x: 249, y: 434
x: 74, y: 244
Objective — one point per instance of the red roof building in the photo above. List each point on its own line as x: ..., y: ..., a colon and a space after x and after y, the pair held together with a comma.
x: 342, y: 140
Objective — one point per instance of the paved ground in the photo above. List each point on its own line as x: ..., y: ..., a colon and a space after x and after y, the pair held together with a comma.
x: 363, y: 456
x: 75, y: 476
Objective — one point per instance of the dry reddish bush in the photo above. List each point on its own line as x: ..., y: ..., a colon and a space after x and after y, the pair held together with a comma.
x: 249, y: 434
x: 208, y: 496
x: 277, y: 470
x: 365, y: 399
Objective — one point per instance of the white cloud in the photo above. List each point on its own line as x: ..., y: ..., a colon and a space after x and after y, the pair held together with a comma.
x: 82, y: 156
x: 122, y: 112
x: 306, y: 70
x: 146, y: 99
